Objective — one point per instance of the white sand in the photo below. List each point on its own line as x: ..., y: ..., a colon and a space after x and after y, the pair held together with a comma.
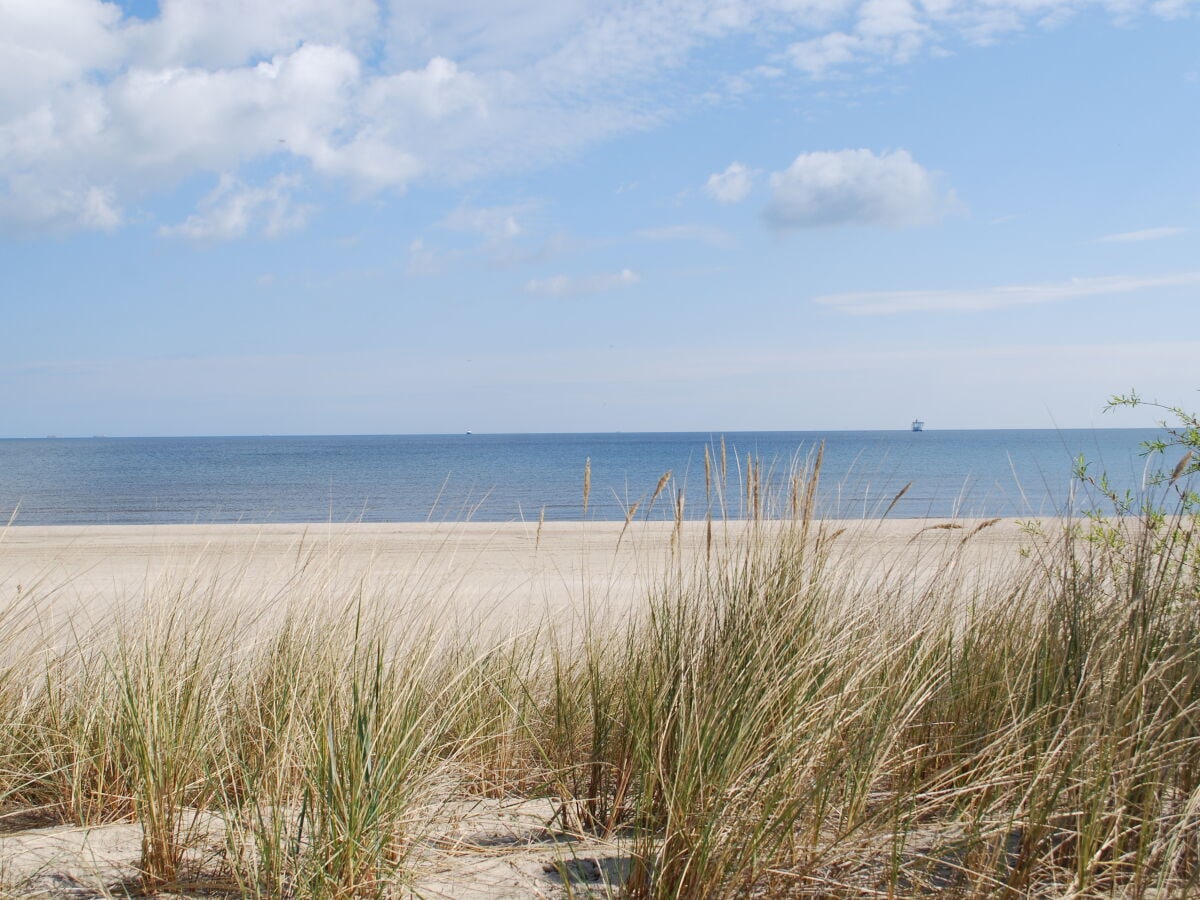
x: 505, y: 572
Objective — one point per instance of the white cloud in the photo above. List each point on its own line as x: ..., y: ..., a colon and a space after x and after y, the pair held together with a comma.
x: 234, y: 210
x: 816, y: 56
x: 227, y: 33
x: 482, y: 33
x: 730, y: 186
x: 854, y: 187
x: 889, y: 18
x: 379, y: 94
x: 1171, y: 9
x: 567, y: 286
x: 66, y: 207
x: 495, y: 223
x: 45, y: 44
x: 896, y: 31
x: 99, y: 210
x: 1146, y: 234
x: 180, y: 120
x: 882, y: 303
x: 439, y: 90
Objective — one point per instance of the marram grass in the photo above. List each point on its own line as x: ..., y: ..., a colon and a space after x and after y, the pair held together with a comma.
x: 767, y: 721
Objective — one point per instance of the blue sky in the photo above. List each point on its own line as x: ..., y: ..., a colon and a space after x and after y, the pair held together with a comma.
x: 298, y: 216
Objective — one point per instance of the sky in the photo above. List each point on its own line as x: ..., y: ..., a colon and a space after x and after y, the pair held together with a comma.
x: 376, y: 217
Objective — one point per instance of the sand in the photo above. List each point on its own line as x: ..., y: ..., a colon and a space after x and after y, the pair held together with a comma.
x: 504, y: 576
x: 506, y: 571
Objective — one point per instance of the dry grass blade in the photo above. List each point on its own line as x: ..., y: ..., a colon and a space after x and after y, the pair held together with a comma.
x: 1181, y: 467
x: 940, y: 526
x: 899, y: 494
x: 707, y: 477
x: 658, y: 489
x: 677, y: 525
x: 985, y: 524
x: 629, y: 514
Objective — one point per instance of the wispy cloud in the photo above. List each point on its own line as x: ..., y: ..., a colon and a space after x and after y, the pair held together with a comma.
x: 883, y: 303
x: 1146, y: 234
x: 517, y: 253
x: 568, y: 286
x: 495, y: 223
x: 233, y: 209
x: 426, y: 260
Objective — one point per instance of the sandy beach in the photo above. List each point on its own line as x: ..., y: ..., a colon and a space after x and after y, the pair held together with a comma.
x: 505, y: 573
x: 502, y: 577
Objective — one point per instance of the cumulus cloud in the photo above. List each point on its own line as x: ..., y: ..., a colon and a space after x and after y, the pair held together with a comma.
x: 437, y: 91
x: 730, y: 186
x: 234, y: 209
x: 45, y: 44
x: 183, y: 119
x: 854, y: 187
x: 1146, y: 234
x: 882, y: 303
x: 102, y: 111
x: 568, y: 286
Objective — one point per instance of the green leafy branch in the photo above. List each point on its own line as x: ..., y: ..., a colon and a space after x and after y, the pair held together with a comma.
x: 1181, y: 429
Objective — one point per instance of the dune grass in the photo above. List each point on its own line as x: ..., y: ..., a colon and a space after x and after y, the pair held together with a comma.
x: 768, y: 721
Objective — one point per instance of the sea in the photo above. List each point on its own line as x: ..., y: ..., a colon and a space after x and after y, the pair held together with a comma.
x: 514, y: 477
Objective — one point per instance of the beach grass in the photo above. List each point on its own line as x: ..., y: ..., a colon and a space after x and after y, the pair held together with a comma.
x: 769, y: 719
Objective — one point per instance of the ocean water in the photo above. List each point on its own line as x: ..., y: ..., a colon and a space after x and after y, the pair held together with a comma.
x: 509, y: 477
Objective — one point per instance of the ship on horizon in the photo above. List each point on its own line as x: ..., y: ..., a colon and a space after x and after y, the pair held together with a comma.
x: 918, y: 425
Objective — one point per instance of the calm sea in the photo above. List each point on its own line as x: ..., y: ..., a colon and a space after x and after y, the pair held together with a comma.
x: 508, y: 477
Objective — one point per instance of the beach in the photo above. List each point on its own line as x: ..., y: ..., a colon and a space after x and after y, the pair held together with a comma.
x: 479, y: 577
x: 246, y: 709
x: 506, y: 573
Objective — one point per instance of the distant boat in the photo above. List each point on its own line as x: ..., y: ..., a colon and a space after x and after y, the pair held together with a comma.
x: 468, y: 432
x: 918, y: 425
